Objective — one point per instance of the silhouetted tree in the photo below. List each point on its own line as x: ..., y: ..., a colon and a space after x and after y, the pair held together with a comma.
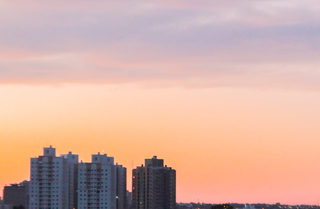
x: 18, y: 207
x: 222, y: 206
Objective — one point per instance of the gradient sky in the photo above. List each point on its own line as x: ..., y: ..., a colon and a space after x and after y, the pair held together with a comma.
x: 227, y: 92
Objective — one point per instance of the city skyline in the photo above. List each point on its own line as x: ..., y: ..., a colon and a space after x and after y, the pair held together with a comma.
x: 227, y: 92
x: 62, y: 182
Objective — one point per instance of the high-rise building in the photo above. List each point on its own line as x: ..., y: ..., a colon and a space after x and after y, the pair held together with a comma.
x: 153, y: 186
x: 71, y: 166
x: 16, y: 195
x: 64, y: 183
x: 51, y: 180
x: 121, y: 197
x: 100, y: 184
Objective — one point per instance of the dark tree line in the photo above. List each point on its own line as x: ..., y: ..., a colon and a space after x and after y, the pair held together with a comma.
x: 222, y: 206
x: 18, y: 207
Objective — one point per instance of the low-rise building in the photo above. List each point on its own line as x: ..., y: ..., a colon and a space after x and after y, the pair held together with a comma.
x: 16, y: 195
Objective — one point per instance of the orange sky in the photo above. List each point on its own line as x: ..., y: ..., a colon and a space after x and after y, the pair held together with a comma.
x: 227, y: 144
x: 227, y: 92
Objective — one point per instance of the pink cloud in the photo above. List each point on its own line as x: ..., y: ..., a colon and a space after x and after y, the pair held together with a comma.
x: 188, y: 43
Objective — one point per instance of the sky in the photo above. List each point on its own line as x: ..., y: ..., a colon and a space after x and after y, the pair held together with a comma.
x: 226, y: 92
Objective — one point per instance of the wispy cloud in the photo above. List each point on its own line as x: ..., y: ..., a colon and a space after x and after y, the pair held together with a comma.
x: 187, y: 43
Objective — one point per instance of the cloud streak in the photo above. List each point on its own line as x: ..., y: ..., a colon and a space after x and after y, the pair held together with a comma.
x: 187, y: 43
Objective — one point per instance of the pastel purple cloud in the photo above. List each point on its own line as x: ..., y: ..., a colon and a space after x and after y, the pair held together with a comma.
x: 187, y: 43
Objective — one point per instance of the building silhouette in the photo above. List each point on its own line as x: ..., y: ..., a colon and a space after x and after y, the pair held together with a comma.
x: 17, y: 195
x: 51, y: 180
x: 154, y: 186
x: 71, y: 180
x: 121, y: 197
x: 64, y: 183
x: 98, y: 183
